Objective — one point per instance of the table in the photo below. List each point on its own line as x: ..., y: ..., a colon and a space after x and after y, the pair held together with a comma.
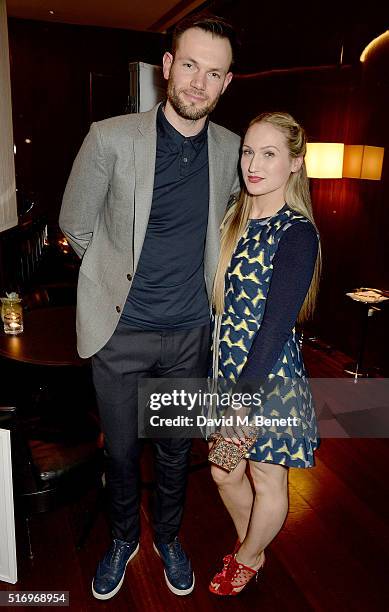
x: 49, y: 338
x: 56, y: 430
x: 371, y: 300
x: 46, y: 376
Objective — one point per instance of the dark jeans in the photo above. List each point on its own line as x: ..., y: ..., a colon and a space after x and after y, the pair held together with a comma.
x: 128, y: 356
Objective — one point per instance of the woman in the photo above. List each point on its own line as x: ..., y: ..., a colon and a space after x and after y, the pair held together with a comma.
x: 267, y: 279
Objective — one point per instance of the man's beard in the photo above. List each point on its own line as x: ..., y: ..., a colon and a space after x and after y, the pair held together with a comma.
x: 188, y: 111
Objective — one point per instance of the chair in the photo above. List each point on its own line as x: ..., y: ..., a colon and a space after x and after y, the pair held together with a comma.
x: 61, y: 293
x: 50, y: 294
x: 22, y: 251
x: 51, y: 467
x: 39, y: 298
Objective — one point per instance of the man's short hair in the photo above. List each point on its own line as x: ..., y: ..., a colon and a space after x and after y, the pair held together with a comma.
x: 216, y: 26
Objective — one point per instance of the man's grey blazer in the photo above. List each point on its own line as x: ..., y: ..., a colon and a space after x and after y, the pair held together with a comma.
x: 106, y: 207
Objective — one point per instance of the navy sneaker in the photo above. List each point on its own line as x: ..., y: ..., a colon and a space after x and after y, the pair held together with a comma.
x: 178, y: 571
x: 112, y: 567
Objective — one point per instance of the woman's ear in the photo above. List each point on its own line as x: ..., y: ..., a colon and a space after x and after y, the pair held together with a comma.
x: 297, y: 162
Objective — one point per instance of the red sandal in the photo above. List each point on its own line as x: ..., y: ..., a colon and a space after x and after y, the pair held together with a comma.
x: 226, y: 560
x: 233, y: 578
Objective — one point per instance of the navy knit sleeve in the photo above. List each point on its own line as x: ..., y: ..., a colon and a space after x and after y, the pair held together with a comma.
x: 293, y: 267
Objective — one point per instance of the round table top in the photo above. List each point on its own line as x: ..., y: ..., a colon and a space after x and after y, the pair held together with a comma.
x: 49, y: 338
x: 367, y: 296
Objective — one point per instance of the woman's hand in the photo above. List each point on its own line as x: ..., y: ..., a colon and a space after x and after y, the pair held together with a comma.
x: 236, y: 433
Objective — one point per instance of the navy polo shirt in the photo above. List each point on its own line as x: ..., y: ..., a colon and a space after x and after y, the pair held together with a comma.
x: 168, y: 290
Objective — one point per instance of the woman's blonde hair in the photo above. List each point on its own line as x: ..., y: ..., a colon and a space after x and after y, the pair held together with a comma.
x: 297, y: 197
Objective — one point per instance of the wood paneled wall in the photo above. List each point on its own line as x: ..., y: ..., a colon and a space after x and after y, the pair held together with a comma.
x: 8, y: 213
x: 338, y: 104
x: 51, y: 65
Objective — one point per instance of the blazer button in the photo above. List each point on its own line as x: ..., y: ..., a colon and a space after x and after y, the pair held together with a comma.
x: 129, y: 277
x: 118, y: 309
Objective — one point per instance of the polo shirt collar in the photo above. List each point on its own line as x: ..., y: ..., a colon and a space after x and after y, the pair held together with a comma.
x: 167, y: 130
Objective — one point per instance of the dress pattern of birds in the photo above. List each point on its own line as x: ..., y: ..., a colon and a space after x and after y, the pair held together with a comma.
x: 247, y: 284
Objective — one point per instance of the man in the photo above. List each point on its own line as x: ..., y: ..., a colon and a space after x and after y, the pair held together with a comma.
x: 142, y: 207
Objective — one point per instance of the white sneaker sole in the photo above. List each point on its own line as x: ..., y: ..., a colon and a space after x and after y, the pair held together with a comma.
x: 170, y: 586
x: 118, y: 587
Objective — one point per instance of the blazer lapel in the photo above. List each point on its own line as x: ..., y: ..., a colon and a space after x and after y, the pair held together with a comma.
x: 215, y: 156
x: 217, y: 205
x: 144, y: 153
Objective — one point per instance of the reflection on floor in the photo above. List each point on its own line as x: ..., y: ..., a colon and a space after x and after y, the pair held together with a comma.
x: 331, y: 554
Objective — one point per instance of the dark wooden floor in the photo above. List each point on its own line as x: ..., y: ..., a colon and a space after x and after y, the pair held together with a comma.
x: 332, y: 553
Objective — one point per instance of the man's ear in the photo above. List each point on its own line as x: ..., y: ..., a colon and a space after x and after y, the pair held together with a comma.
x: 227, y: 81
x: 297, y: 162
x: 167, y: 62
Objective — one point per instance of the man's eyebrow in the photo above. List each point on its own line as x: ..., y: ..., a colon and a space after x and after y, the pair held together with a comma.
x: 187, y: 59
x: 193, y: 61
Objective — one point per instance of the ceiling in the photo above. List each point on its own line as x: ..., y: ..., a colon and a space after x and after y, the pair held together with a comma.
x: 154, y: 15
x: 284, y: 34
x: 274, y: 35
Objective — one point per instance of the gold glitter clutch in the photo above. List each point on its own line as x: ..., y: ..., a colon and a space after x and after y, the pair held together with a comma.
x: 226, y: 454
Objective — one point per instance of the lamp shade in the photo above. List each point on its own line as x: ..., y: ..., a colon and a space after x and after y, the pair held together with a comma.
x: 373, y: 158
x: 363, y: 162
x: 375, y: 44
x: 352, y: 161
x: 324, y: 159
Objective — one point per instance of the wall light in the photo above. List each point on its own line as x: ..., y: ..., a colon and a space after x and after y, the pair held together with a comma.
x: 374, y: 44
x: 324, y: 159
x: 352, y: 161
x: 373, y: 158
x: 363, y: 161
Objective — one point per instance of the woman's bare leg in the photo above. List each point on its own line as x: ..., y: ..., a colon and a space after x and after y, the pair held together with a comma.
x: 268, y: 513
x: 237, y: 495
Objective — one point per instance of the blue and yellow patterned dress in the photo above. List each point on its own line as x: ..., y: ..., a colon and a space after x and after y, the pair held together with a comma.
x: 247, y: 284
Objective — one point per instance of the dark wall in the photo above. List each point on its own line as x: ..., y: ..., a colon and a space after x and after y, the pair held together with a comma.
x: 348, y: 105
x: 51, y: 66
x: 50, y: 72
